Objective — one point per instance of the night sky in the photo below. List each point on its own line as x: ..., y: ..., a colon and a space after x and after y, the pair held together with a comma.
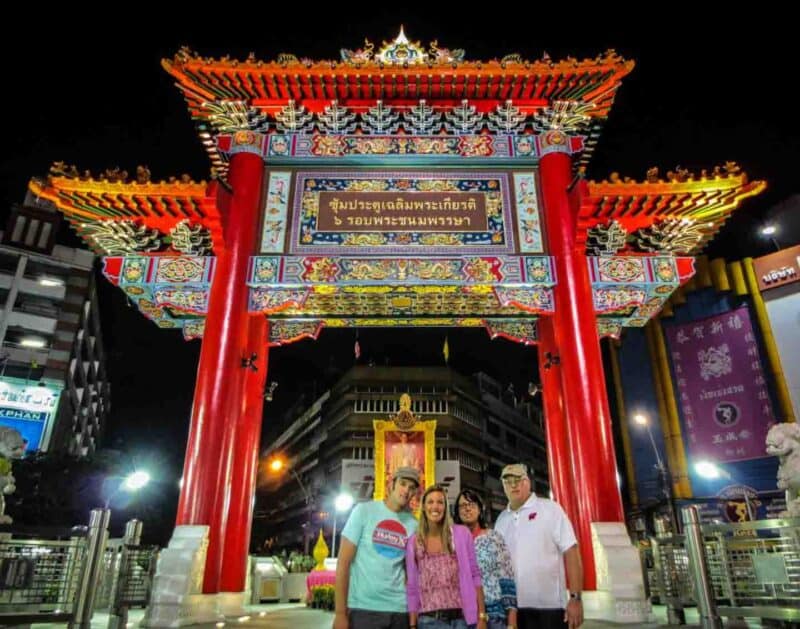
x: 89, y: 90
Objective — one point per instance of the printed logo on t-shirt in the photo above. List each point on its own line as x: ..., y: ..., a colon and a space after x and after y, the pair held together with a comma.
x: 389, y: 539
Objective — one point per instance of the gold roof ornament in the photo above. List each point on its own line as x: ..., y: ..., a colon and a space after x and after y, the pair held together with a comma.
x: 401, y: 52
x: 405, y: 418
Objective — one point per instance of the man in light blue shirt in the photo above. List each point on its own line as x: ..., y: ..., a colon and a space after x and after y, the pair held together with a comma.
x: 370, y: 572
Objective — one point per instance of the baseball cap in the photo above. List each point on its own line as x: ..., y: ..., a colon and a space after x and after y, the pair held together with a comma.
x: 520, y: 470
x: 410, y: 473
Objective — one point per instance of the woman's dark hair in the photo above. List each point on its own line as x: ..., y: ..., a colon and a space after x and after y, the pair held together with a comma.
x: 469, y: 496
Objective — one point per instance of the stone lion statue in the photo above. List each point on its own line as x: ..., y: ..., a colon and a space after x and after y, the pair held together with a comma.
x: 783, y: 441
x: 12, y: 446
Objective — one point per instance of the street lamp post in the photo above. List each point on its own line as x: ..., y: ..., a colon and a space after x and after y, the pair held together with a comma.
x: 131, y: 483
x: 664, y: 479
x: 276, y: 465
x: 768, y: 231
x: 342, y: 504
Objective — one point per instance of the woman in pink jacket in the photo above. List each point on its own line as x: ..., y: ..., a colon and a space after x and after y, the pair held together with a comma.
x: 444, y: 582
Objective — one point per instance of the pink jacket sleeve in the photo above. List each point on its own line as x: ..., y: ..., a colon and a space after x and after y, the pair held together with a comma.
x: 412, y: 576
x: 473, y: 560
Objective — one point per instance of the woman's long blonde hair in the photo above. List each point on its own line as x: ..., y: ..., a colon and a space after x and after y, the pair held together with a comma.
x: 424, y: 530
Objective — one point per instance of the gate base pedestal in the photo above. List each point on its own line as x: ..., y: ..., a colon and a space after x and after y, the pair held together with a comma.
x: 231, y: 604
x: 620, y: 595
x: 177, y: 597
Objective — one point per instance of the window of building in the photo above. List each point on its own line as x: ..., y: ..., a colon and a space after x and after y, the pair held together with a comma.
x: 465, y: 416
x: 469, y: 461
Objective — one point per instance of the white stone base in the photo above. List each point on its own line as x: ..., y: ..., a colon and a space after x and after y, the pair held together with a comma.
x: 620, y: 593
x: 177, y: 598
x: 192, y: 609
x: 231, y: 604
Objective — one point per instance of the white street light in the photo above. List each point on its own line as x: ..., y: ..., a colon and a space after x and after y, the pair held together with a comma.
x: 712, y: 471
x: 769, y: 230
x: 342, y: 504
x: 136, y: 481
x: 131, y: 483
x: 707, y: 469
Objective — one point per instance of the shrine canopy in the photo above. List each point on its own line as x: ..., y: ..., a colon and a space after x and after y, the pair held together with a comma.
x: 401, y: 188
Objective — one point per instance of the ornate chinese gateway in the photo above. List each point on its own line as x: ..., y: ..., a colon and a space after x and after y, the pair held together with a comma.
x: 397, y: 186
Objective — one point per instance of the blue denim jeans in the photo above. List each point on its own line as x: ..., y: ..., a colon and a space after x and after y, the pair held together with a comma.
x: 497, y: 623
x: 433, y: 623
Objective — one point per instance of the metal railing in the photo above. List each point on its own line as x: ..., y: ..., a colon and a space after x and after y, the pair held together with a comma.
x: 50, y: 580
x: 108, y: 573
x: 40, y: 577
x: 64, y: 580
x: 747, y: 569
x: 755, y: 567
x: 133, y: 585
x: 672, y: 581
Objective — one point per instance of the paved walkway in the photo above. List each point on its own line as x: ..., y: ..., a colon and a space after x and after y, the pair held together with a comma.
x: 298, y: 616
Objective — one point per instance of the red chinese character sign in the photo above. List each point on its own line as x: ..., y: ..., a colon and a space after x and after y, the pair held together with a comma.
x: 404, y: 442
x: 721, y: 387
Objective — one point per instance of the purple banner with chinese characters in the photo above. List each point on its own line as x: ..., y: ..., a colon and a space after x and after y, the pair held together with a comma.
x: 721, y: 388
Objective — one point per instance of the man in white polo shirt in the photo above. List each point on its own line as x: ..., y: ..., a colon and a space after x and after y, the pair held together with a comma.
x: 540, y: 538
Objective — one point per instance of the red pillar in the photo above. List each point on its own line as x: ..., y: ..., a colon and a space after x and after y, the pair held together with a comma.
x: 209, y: 452
x: 588, y: 418
x: 245, y: 463
x: 559, y: 464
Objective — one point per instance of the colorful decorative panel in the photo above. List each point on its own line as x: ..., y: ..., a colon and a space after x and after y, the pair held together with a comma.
x: 285, y: 331
x: 528, y: 222
x: 629, y: 290
x: 393, y: 212
x: 529, y: 299
x: 609, y: 327
x: 621, y: 269
x: 274, y: 300
x: 612, y: 299
x: 384, y: 301
x: 183, y: 269
x: 721, y: 387
x: 400, y: 147
x: 520, y: 331
x: 273, y: 231
x: 539, y: 270
x: 185, y: 299
x: 412, y: 148
x: 194, y: 329
x: 363, y: 291
x: 264, y: 270
x: 363, y: 270
x: 134, y: 271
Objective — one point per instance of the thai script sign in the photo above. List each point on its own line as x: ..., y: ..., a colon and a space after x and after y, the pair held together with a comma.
x: 721, y: 389
x: 777, y: 269
x: 406, y: 212
x: 394, y: 212
x: 30, y: 408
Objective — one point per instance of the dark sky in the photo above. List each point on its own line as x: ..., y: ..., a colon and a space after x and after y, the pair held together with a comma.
x: 88, y: 89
